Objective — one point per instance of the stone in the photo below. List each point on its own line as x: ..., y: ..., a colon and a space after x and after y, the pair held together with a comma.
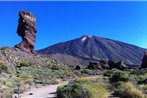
x: 27, y: 31
x: 118, y: 65
x: 93, y: 65
x: 121, y: 65
x: 78, y: 67
x: 144, y: 61
x: 107, y: 65
x: 98, y: 65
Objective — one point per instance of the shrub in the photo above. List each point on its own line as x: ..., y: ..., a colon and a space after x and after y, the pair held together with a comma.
x: 3, y: 68
x: 77, y: 73
x: 8, y: 93
x: 56, y: 81
x: 9, y: 84
x: 1, y: 62
x: 72, y: 91
x: 87, y: 71
x: 25, y: 87
x: 117, y: 88
x: 119, y: 76
x: 130, y: 91
x: 24, y: 64
x: 98, y: 90
x: 145, y: 86
x: 82, y: 80
x: 55, y: 67
x: 83, y: 88
x: 69, y: 73
x: 109, y: 73
x: 78, y: 67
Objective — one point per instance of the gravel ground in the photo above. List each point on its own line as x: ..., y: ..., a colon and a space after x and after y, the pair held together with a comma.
x: 43, y: 91
x: 48, y: 91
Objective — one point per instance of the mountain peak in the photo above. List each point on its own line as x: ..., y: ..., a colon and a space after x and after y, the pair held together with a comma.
x: 97, y: 48
x: 85, y: 37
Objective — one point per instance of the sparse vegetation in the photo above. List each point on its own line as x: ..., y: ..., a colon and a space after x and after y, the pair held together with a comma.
x: 3, y: 68
x: 24, y: 64
x: 83, y: 88
x: 1, y: 62
x: 119, y: 76
x: 130, y: 91
x: 87, y: 71
x: 25, y: 73
x: 55, y: 67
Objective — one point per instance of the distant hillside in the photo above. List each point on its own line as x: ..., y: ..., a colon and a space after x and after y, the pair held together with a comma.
x: 97, y: 48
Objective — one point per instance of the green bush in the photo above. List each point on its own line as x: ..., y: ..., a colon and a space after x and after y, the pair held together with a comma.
x: 82, y: 80
x: 69, y: 73
x: 83, y: 88
x: 109, y: 73
x: 24, y: 64
x: 55, y: 67
x: 77, y: 73
x: 78, y: 67
x: 117, y: 88
x: 72, y: 91
x: 119, y: 76
x: 3, y: 68
x: 130, y: 91
x: 145, y: 86
x: 98, y: 90
x: 1, y: 62
x: 8, y: 93
x: 87, y: 71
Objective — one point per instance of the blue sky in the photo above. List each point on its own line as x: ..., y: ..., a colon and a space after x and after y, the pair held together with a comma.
x: 62, y: 21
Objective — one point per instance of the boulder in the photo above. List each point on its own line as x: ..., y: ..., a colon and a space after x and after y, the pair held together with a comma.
x: 98, y: 65
x: 107, y: 65
x: 93, y: 65
x: 118, y: 65
x: 121, y: 65
x: 78, y: 67
x: 27, y: 31
x: 144, y: 61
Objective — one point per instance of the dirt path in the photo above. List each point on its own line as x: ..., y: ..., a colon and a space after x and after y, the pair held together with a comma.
x: 43, y: 91
x: 46, y: 91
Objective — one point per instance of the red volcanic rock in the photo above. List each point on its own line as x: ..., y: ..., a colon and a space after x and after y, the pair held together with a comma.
x: 27, y: 31
x: 144, y: 61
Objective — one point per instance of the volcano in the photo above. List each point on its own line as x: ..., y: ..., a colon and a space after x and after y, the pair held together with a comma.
x: 96, y: 48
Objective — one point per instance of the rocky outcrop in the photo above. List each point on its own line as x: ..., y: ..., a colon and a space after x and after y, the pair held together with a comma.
x: 144, y: 61
x: 107, y: 65
x: 119, y: 65
x: 27, y: 31
x: 93, y: 65
x: 98, y: 65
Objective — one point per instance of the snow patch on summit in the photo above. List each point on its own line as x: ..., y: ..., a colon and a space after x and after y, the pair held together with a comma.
x: 85, y: 38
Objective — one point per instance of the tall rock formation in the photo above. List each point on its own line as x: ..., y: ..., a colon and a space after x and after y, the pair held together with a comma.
x: 27, y: 31
x: 144, y: 61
